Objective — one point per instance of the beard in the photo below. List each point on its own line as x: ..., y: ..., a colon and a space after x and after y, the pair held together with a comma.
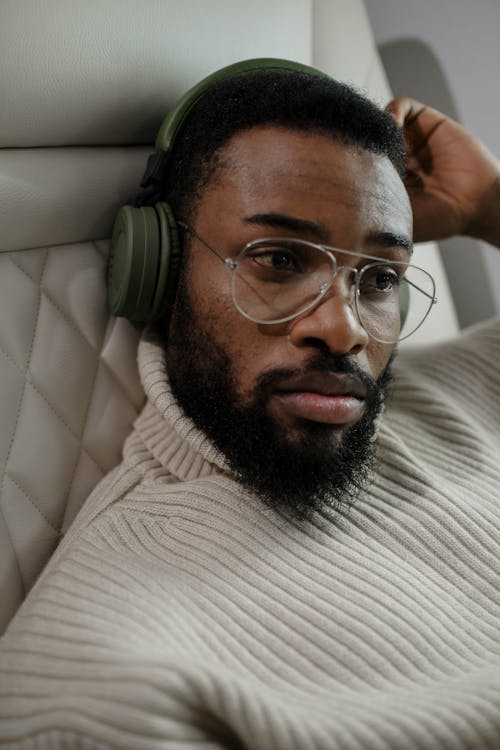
x: 298, y: 474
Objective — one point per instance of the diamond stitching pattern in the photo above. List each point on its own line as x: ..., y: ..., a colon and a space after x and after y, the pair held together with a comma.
x: 31, y: 500
x: 31, y: 341
x: 61, y: 360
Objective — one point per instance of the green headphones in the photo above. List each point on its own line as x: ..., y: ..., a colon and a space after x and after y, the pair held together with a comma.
x: 145, y: 250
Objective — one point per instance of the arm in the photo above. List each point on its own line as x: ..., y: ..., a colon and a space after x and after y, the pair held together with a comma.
x: 453, y: 180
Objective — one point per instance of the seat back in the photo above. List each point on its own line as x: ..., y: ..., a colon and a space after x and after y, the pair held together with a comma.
x: 84, y: 88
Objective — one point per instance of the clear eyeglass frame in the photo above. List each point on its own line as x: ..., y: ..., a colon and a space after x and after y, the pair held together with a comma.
x: 424, y: 288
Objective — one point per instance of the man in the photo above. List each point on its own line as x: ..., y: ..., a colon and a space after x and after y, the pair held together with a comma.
x: 276, y: 563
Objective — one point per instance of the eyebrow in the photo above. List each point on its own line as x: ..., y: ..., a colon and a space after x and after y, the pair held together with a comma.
x: 282, y: 221
x: 391, y: 239
x: 321, y: 233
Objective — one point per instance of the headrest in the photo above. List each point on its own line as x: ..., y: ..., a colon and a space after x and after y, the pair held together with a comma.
x: 80, y: 77
x: 106, y: 72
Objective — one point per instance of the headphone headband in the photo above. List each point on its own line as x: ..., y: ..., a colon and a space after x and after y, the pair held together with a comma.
x: 176, y: 118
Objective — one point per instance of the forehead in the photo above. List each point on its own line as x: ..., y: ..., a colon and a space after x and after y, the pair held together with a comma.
x: 270, y: 169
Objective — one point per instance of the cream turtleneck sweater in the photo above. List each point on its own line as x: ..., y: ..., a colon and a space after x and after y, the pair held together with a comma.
x: 180, y: 613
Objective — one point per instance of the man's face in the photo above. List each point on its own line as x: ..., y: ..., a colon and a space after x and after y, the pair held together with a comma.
x: 292, y: 400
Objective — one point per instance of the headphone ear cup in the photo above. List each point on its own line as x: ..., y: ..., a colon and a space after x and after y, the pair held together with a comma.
x: 169, y: 262
x: 144, y: 260
x: 133, y: 262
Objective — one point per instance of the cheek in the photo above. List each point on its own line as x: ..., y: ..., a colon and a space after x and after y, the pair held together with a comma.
x: 378, y: 357
x: 226, y: 328
x: 209, y: 290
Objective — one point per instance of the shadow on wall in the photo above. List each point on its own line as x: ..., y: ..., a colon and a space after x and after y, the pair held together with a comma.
x: 413, y: 70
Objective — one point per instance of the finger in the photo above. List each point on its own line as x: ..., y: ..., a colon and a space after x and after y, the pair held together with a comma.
x: 415, y: 117
x: 413, y: 180
x: 404, y: 109
x: 418, y: 123
x: 408, y: 114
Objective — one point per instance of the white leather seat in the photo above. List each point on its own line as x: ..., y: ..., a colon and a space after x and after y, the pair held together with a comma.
x: 83, y: 87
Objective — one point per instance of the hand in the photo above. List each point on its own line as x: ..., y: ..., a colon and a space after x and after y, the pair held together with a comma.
x: 453, y: 180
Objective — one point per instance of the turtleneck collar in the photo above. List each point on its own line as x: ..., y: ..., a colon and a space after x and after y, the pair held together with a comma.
x: 170, y: 436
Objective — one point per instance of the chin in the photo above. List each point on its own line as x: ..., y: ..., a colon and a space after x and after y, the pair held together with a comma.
x: 311, y: 436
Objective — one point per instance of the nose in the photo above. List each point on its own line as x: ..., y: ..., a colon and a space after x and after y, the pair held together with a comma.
x: 333, y: 323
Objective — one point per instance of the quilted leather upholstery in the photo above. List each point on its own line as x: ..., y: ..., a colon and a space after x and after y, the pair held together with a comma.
x: 70, y: 153
x: 69, y: 372
x: 69, y: 384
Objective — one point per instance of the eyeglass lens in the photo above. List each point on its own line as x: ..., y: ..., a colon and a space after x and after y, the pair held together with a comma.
x: 275, y: 281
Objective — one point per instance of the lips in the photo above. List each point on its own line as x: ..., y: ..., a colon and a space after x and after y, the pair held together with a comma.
x: 328, y: 398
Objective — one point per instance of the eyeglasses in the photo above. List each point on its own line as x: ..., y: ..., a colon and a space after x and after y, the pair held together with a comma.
x: 277, y: 279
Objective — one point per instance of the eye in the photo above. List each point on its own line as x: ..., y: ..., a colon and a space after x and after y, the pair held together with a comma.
x: 278, y: 259
x: 379, y: 280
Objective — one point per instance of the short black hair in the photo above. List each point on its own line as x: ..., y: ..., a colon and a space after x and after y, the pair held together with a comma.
x: 290, y: 99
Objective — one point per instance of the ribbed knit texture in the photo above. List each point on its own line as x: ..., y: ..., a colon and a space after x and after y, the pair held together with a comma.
x: 180, y: 613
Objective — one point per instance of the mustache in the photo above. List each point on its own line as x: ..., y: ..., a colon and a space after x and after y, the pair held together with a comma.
x: 324, y: 362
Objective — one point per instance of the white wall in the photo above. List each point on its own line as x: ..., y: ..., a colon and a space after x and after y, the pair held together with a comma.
x: 446, y: 52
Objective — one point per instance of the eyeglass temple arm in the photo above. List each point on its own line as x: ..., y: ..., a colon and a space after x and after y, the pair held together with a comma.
x: 203, y: 242
x: 415, y: 286
x: 227, y: 261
